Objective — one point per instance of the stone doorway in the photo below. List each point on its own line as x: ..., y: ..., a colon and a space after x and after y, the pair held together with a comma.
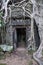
x: 21, y: 37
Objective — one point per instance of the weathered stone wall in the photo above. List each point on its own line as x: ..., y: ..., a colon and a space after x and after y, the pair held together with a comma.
x: 39, y: 21
x: 9, y: 36
x: 11, y: 28
x: 28, y: 34
x: 38, y: 11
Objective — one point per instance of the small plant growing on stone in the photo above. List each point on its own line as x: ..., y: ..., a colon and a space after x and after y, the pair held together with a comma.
x: 30, y: 51
x: 2, y: 64
x: 42, y: 52
x: 1, y: 49
x: 1, y: 54
x: 31, y: 63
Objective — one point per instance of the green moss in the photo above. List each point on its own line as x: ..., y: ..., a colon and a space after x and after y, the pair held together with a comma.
x: 42, y: 52
x: 30, y: 63
x: 1, y: 49
x: 2, y: 56
x: 31, y: 52
x: 2, y: 64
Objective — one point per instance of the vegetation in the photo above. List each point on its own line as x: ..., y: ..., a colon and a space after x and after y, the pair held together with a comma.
x: 2, y: 56
x: 30, y: 62
x: 42, y: 52
x: 1, y: 49
x: 31, y: 52
x: 2, y: 27
x: 1, y: 19
x: 2, y: 64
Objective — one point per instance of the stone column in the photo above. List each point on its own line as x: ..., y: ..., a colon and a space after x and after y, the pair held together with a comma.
x: 15, y: 35
x: 14, y: 38
x: 31, y: 40
x: 9, y: 36
x: 32, y: 34
x: 28, y: 34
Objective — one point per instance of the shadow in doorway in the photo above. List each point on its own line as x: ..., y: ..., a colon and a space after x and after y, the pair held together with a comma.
x: 21, y: 37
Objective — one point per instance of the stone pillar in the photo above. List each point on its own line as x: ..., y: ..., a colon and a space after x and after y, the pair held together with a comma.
x: 9, y: 35
x: 28, y: 30
x: 32, y: 34
x: 14, y: 37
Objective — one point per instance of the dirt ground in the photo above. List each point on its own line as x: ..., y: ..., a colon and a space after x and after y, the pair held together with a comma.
x: 19, y: 57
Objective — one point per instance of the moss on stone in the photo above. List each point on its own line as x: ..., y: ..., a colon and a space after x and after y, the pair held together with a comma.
x: 2, y: 64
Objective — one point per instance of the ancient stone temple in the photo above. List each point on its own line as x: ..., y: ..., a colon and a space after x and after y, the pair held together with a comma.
x: 18, y: 27
x: 18, y: 23
x: 24, y: 24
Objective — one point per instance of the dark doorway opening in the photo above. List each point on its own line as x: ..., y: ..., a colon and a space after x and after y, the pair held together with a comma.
x: 21, y: 37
